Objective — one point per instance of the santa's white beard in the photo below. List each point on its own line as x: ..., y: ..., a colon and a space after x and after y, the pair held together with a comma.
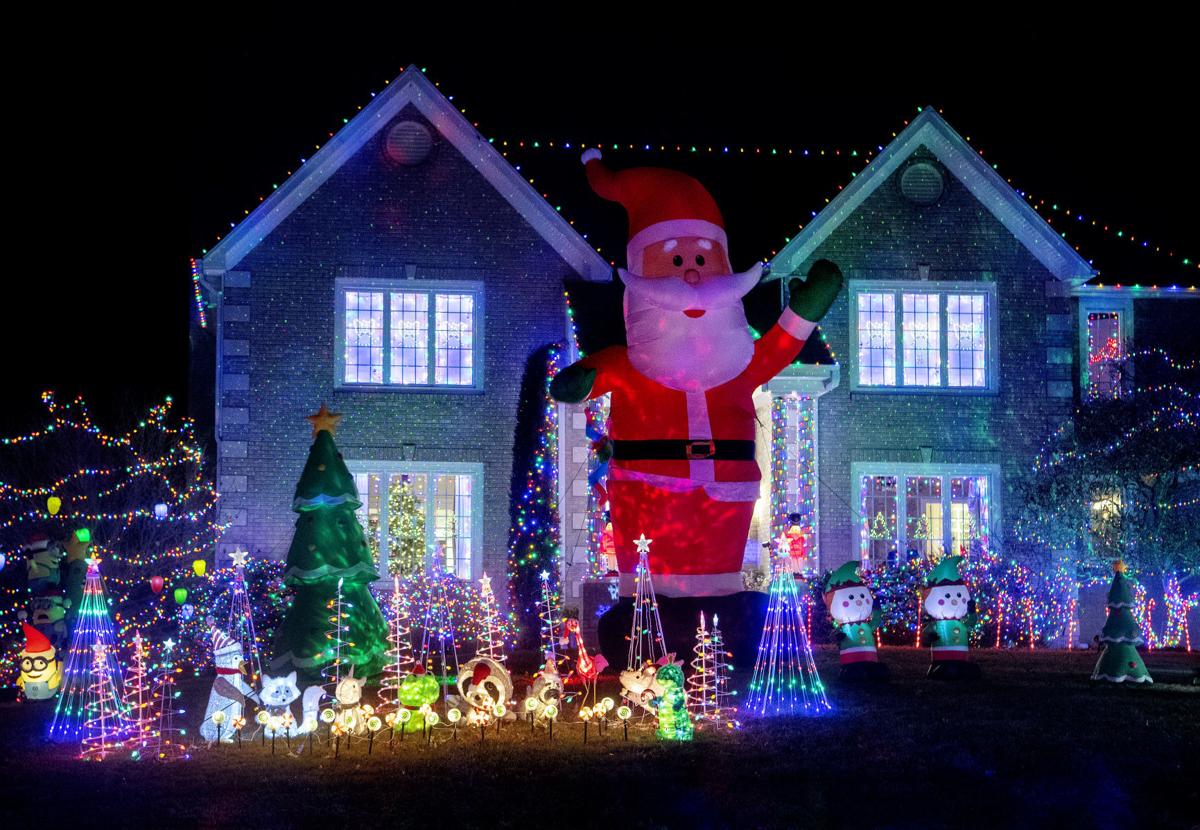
x: 688, y: 353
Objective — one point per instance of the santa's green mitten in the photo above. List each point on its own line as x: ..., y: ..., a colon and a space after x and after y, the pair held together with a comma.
x: 573, y: 384
x: 812, y: 297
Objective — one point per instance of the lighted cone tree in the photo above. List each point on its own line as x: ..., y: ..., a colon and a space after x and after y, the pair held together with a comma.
x: 93, y: 626
x: 785, y: 680
x: 240, y: 624
x: 104, y: 729
x: 168, y: 743
x: 646, y: 641
x: 328, y: 549
x: 139, y: 701
x: 550, y: 620
x: 438, y: 637
x: 489, y: 642
x: 400, y: 660
x: 708, y: 695
x: 1120, y: 661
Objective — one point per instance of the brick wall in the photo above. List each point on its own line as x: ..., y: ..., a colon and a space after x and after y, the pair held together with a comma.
x: 437, y: 220
x: 889, y: 237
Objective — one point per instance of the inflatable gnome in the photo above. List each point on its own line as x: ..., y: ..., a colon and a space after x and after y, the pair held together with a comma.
x: 952, y: 613
x: 682, y: 426
x: 41, y: 670
x: 1120, y: 661
x: 856, y: 619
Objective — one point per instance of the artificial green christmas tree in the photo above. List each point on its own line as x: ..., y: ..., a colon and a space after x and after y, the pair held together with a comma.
x: 328, y: 546
x: 1120, y: 661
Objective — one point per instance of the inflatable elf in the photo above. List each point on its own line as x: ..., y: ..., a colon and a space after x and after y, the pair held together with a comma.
x: 852, y: 607
x: 948, y: 604
x: 1120, y: 661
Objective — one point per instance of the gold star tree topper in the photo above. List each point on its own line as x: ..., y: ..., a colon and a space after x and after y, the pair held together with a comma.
x: 324, y: 420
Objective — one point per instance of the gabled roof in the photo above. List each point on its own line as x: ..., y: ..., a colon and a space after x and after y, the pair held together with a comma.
x: 412, y: 87
x: 932, y: 131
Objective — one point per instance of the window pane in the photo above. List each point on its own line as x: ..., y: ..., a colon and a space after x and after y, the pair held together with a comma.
x: 407, y: 496
x: 452, y: 523
x: 879, y: 518
x: 968, y: 514
x: 923, y: 516
x: 409, y: 338
x: 922, y: 340
x: 364, y: 337
x: 877, y: 339
x: 966, y: 339
x: 368, y: 513
x: 1104, y: 352
x: 454, y: 346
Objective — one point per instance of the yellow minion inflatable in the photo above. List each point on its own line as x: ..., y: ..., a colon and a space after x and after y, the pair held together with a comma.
x: 41, y: 671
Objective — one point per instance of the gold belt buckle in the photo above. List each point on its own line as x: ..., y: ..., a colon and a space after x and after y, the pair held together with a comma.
x: 700, y: 450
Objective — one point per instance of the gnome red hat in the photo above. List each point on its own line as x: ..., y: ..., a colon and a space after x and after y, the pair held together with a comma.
x: 662, y: 204
x: 35, y: 641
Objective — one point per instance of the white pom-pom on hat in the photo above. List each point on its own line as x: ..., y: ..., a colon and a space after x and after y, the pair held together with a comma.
x: 589, y: 154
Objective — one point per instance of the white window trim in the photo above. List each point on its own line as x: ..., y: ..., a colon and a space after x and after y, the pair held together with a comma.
x: 390, y: 468
x: 941, y: 288
x: 1123, y: 306
x: 900, y: 470
x: 431, y: 287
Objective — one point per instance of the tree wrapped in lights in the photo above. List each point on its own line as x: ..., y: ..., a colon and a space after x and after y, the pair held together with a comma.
x: 708, y: 694
x: 785, y: 680
x: 93, y: 627
x: 1120, y: 661
x: 534, y: 547
x: 139, y: 701
x: 489, y: 642
x: 1118, y: 479
x: 329, y: 550
x: 406, y: 530
x: 105, y: 726
x: 145, y: 494
x: 400, y: 660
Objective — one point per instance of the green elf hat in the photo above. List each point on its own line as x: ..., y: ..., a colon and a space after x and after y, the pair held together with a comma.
x: 846, y: 576
x: 946, y: 573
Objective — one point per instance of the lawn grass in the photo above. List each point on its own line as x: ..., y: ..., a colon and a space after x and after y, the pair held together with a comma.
x: 1032, y: 744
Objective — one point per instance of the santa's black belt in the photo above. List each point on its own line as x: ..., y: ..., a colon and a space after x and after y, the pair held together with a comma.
x: 662, y: 449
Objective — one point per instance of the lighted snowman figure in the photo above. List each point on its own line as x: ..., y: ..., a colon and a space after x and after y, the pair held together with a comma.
x: 852, y: 607
x: 947, y: 602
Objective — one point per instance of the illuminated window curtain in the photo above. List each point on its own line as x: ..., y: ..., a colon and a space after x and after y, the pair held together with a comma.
x: 879, y: 512
x: 923, y: 523
x: 1104, y: 352
x: 454, y: 340
x: 966, y: 340
x: 409, y: 337
x: 452, y: 523
x: 368, y: 485
x: 969, y: 521
x: 364, y: 337
x: 922, y: 339
x: 877, y: 339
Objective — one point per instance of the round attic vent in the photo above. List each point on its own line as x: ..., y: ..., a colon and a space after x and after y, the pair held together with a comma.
x: 922, y: 182
x: 408, y: 143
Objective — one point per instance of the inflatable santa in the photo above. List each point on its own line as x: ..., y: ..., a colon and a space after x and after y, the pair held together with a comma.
x: 683, y: 469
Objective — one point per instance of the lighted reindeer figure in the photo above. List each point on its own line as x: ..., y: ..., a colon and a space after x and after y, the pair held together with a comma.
x: 587, y: 667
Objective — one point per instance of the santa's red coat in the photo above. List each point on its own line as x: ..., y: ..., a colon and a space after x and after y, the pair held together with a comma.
x: 696, y: 512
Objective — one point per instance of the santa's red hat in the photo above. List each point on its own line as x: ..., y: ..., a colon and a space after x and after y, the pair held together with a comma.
x: 662, y: 204
x: 35, y: 641
x: 481, y: 673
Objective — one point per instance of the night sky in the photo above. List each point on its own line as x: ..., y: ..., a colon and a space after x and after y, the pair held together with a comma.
x: 133, y: 158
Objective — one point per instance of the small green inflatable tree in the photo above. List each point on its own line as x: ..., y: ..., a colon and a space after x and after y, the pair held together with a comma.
x: 1120, y: 661
x: 329, y: 546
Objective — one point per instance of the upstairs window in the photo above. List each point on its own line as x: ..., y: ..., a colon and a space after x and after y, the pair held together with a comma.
x: 924, y: 336
x: 1105, y: 350
x: 414, y: 334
